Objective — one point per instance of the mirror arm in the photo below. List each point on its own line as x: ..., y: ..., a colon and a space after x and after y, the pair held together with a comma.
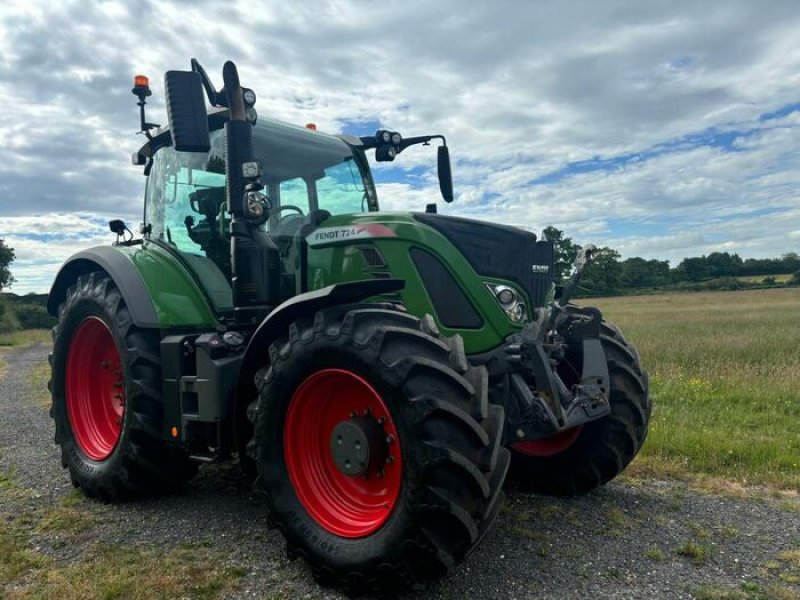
x: 215, y: 98
x: 421, y: 139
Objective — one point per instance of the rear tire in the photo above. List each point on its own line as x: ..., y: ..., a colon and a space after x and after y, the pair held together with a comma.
x: 580, y: 460
x: 106, y: 398
x: 443, y: 485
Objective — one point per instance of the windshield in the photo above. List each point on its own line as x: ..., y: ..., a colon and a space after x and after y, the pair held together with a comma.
x: 185, y: 203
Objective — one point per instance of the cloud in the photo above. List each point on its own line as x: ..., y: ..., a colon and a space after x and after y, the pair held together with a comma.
x: 660, y: 128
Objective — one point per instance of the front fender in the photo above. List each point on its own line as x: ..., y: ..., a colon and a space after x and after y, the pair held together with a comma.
x: 277, y: 323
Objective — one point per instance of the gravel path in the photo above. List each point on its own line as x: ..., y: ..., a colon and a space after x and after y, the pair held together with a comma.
x: 631, y: 539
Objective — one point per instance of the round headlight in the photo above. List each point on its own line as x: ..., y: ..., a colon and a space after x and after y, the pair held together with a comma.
x: 249, y: 96
x: 505, y: 295
x: 396, y: 138
x: 386, y: 137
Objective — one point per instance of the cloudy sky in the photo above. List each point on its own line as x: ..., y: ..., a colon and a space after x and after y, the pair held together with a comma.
x: 662, y: 129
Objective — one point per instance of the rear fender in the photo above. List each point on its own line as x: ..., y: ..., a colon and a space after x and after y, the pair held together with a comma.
x: 159, y: 291
x: 127, y: 279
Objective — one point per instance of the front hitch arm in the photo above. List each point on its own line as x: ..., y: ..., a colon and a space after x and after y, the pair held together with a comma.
x: 582, y: 260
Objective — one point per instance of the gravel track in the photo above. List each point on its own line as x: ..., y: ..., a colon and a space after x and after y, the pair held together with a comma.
x: 622, y: 541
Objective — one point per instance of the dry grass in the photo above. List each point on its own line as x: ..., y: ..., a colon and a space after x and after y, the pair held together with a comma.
x: 725, y: 378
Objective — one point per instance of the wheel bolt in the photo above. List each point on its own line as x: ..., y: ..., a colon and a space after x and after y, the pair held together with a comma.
x: 389, y: 459
x: 389, y: 439
x: 353, y: 415
x: 381, y: 420
x: 380, y: 474
x: 367, y: 412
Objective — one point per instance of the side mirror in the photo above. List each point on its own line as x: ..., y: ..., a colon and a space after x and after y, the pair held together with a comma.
x: 445, y: 174
x: 186, y: 110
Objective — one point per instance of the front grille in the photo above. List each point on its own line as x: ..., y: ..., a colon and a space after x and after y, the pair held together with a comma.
x: 499, y: 251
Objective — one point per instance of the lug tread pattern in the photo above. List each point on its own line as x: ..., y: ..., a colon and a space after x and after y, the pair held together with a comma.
x: 605, y: 447
x: 450, y: 439
x: 146, y: 466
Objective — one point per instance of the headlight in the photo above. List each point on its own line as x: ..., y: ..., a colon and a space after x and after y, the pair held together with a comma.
x: 510, y: 301
x: 249, y: 96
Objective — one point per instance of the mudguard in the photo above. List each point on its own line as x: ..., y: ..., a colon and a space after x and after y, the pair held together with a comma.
x: 120, y: 269
x: 160, y: 291
x: 278, y: 321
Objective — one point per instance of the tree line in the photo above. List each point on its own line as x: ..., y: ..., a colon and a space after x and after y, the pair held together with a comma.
x: 608, y: 274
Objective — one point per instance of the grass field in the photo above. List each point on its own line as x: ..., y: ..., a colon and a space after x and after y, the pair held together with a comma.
x: 782, y: 278
x: 725, y: 378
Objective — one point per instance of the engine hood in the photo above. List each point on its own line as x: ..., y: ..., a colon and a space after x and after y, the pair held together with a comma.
x: 499, y: 251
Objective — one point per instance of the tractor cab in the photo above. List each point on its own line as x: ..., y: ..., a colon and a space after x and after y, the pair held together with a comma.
x: 308, y: 176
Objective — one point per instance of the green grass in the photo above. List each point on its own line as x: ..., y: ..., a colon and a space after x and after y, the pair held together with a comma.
x: 725, y: 378
x: 25, y: 337
x: 100, y: 571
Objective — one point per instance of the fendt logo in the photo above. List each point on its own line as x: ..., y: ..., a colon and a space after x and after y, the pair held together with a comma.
x: 332, y: 235
x: 541, y: 269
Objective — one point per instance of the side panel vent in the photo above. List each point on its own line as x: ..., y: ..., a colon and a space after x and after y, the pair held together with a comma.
x: 372, y: 257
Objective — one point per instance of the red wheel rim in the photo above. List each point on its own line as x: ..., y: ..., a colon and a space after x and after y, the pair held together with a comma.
x: 551, y: 445
x: 95, y: 393
x: 345, y: 505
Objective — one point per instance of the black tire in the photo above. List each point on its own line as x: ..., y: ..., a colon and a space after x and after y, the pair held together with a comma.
x: 140, y: 463
x: 453, y: 464
x: 605, y: 447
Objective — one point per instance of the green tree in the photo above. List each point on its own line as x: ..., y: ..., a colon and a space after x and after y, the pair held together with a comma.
x: 604, y: 273
x: 7, y: 256
x: 723, y: 264
x: 565, y: 252
x: 692, y: 269
x: 640, y: 273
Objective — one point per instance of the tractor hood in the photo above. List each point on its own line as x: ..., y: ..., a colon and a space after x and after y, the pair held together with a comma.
x: 499, y: 251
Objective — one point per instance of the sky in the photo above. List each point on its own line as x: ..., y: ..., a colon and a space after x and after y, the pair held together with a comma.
x: 661, y: 129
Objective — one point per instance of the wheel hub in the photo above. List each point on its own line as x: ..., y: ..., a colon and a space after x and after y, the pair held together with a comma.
x: 359, y: 446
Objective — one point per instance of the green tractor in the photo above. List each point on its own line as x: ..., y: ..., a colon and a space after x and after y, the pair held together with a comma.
x: 381, y: 373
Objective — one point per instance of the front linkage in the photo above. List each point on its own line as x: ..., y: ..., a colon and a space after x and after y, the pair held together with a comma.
x: 536, y: 381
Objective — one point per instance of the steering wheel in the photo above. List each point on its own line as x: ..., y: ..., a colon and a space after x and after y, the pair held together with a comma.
x: 277, y: 211
x: 286, y: 224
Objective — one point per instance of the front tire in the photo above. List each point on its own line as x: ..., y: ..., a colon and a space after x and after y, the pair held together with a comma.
x: 106, y: 403
x: 424, y: 411
x: 581, y: 459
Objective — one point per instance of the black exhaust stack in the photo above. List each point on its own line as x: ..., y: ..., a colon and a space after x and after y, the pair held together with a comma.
x: 255, y: 260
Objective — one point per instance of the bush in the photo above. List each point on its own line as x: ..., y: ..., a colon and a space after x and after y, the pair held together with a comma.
x: 33, y: 316
x: 795, y: 280
x: 769, y: 281
x: 8, y: 319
